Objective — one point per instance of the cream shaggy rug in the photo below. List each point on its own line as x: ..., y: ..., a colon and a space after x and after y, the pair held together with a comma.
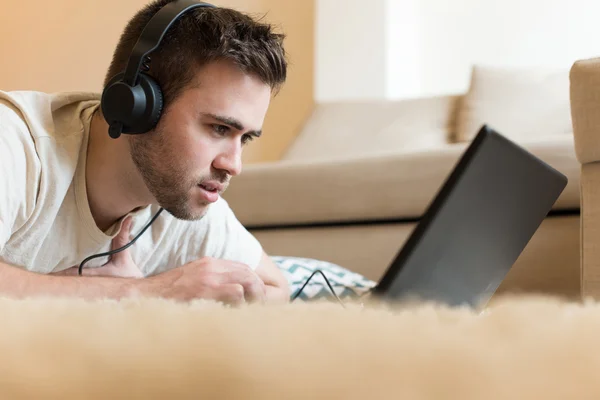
x: 519, y: 348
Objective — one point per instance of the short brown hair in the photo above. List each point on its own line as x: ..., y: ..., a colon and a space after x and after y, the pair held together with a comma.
x: 201, y: 36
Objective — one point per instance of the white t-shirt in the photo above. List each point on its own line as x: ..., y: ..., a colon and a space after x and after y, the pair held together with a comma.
x: 45, y: 220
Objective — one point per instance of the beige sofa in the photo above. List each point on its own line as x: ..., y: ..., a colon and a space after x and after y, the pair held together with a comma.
x: 352, y: 186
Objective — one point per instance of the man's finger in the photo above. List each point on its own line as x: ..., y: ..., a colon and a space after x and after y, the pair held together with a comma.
x: 254, y: 291
x: 231, y: 294
x: 235, y: 273
x: 122, y: 237
x: 119, y: 241
x: 254, y: 287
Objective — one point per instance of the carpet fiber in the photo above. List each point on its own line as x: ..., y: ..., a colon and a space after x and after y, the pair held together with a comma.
x: 519, y: 348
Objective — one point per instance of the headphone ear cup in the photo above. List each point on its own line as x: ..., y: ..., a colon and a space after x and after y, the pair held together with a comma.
x: 136, y: 108
x: 154, y: 105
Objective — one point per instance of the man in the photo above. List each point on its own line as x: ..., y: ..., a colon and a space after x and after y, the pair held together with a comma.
x: 68, y: 190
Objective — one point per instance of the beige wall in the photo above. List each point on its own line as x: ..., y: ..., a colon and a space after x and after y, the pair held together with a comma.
x: 46, y: 48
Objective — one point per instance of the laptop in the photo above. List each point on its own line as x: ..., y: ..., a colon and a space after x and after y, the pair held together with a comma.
x: 476, y: 227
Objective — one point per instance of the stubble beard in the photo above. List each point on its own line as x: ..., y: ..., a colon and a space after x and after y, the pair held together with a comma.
x: 164, y: 177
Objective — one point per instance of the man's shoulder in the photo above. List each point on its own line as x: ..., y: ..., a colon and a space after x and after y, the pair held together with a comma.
x: 44, y: 114
x: 43, y: 132
x: 32, y: 100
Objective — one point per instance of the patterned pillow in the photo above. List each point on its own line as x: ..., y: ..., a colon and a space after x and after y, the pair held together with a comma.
x: 345, y: 283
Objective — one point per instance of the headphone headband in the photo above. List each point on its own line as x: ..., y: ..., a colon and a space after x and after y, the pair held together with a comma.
x: 153, y: 33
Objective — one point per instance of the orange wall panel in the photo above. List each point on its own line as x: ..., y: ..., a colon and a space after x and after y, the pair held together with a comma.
x: 48, y: 48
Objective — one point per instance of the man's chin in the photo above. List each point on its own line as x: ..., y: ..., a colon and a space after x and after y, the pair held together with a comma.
x: 188, y: 213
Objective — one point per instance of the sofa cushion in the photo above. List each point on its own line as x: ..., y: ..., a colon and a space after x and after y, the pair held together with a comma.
x: 585, y: 109
x: 394, y: 185
x: 349, y: 129
x: 522, y: 104
x: 298, y: 270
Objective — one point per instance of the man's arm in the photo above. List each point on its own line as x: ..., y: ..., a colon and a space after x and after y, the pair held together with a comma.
x: 277, y: 287
x: 207, y: 278
x: 19, y: 283
x: 203, y: 278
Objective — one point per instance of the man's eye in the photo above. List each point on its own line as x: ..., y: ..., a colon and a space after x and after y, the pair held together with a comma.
x: 220, y: 129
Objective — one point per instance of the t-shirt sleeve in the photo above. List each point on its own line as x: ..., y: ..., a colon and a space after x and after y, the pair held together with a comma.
x: 19, y: 172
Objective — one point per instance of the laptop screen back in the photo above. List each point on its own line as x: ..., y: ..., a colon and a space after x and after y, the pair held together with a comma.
x: 477, y: 226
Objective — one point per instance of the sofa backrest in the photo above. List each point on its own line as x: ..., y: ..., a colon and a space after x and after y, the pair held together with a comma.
x: 348, y: 129
x: 524, y: 104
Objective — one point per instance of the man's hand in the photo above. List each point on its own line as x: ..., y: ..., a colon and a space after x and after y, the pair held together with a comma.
x: 205, y: 278
x: 208, y: 278
x: 120, y: 265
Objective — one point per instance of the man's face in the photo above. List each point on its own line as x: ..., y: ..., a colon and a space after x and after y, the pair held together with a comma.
x: 188, y: 160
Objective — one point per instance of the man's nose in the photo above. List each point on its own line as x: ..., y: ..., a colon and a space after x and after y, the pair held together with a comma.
x: 230, y: 160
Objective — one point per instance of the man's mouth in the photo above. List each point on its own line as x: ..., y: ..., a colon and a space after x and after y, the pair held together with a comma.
x: 212, y: 186
x: 209, y: 188
x: 210, y: 192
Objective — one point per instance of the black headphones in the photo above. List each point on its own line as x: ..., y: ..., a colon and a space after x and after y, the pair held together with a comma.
x: 132, y: 101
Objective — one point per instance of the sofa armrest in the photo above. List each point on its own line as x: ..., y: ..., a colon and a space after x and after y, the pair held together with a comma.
x: 585, y: 113
x: 585, y: 109
x: 391, y: 186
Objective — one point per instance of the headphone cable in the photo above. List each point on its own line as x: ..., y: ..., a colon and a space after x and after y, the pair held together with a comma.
x: 294, y: 297
x: 108, y: 253
x: 318, y: 271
